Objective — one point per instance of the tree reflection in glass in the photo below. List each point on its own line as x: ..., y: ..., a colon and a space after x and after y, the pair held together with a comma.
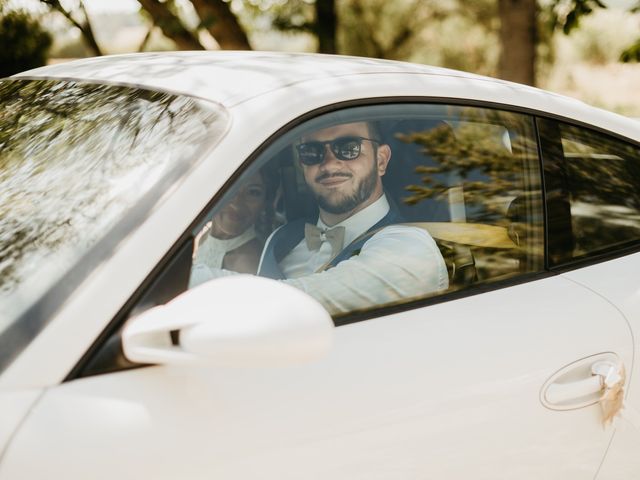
x: 484, y: 163
x: 74, y: 157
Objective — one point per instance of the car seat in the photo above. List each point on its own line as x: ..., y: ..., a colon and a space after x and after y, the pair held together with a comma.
x: 406, y: 174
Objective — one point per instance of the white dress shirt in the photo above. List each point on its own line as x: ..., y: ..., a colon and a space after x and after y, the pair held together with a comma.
x: 396, y: 264
x: 302, y: 261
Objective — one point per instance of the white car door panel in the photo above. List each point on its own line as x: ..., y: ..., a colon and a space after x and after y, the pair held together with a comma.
x: 617, y: 281
x: 447, y: 391
x: 14, y: 406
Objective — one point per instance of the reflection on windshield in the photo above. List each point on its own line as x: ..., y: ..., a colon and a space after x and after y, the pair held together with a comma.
x: 73, y: 159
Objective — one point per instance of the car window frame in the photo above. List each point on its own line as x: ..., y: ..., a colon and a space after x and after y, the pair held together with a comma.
x: 143, y: 291
x: 383, y: 310
x: 548, y: 178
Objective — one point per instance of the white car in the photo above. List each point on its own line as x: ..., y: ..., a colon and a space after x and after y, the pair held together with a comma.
x: 519, y: 362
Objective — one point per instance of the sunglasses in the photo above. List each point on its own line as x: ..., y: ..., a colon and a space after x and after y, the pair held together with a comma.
x: 343, y: 148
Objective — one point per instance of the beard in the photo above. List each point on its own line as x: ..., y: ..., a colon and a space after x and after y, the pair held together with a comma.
x: 340, y: 203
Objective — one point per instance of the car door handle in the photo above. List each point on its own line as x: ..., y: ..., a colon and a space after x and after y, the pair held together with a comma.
x: 558, y: 393
x: 582, y: 383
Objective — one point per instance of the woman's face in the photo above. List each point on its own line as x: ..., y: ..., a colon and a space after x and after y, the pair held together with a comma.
x: 242, y: 211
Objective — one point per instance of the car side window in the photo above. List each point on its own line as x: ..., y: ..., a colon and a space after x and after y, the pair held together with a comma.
x: 383, y: 205
x: 604, y: 190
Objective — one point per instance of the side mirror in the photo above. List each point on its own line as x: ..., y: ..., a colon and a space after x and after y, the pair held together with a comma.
x: 240, y: 320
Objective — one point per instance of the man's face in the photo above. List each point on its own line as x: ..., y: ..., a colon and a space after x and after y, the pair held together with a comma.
x: 344, y: 187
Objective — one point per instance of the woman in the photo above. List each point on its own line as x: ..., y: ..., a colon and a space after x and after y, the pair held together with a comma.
x: 234, y: 238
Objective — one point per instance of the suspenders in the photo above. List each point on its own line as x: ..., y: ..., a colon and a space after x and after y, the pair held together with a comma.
x: 289, y: 235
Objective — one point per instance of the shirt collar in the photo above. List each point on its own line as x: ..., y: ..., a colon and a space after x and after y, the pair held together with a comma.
x: 361, y: 221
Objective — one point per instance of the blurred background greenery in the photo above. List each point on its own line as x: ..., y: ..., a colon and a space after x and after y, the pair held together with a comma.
x: 588, y: 49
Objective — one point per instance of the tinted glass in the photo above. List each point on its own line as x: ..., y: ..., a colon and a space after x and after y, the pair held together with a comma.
x: 74, y: 160
x: 603, y: 177
x: 434, y: 198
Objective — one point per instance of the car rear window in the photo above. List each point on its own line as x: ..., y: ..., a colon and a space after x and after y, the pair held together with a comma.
x: 603, y: 181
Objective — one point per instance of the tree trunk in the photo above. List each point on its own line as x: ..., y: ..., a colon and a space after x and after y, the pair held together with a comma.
x: 171, y: 25
x: 216, y: 16
x: 326, y: 25
x: 518, y: 40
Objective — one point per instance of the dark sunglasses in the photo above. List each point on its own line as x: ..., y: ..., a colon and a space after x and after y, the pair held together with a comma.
x: 343, y: 148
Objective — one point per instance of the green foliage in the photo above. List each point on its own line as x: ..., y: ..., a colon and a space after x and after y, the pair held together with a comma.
x: 25, y: 42
x: 566, y: 14
x: 292, y: 16
x: 632, y: 53
x: 471, y: 150
x: 424, y: 31
x: 601, y: 37
x: 70, y: 48
x: 476, y: 50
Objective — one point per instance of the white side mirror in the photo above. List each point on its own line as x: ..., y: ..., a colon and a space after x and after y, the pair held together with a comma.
x: 241, y: 320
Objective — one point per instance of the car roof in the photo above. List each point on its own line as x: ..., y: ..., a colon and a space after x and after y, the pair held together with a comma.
x: 228, y: 77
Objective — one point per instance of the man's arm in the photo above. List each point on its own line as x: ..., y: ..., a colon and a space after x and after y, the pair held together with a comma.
x: 397, y: 263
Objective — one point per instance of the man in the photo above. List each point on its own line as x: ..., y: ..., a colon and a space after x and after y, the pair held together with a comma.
x: 357, y: 255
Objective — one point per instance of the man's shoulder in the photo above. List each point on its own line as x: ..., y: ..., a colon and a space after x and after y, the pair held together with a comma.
x: 402, y: 230
x: 401, y: 236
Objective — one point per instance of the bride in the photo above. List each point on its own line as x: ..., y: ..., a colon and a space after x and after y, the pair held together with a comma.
x: 234, y: 237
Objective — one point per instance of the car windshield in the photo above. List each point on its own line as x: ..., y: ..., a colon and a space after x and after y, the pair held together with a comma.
x: 78, y: 162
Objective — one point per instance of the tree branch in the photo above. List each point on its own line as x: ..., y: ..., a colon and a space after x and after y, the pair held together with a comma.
x: 216, y: 16
x: 171, y: 26
x: 85, y: 28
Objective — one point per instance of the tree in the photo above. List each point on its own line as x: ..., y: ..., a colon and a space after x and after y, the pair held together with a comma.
x: 163, y: 16
x: 383, y: 29
x: 219, y: 20
x: 326, y: 25
x: 29, y: 42
x: 374, y: 28
x: 215, y: 16
x: 79, y: 19
x: 518, y: 39
x: 521, y: 31
x: 319, y: 18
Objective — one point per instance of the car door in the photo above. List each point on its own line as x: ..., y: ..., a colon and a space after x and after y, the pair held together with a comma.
x: 600, y: 175
x: 483, y: 380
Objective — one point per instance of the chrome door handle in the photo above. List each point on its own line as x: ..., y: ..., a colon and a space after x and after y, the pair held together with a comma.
x: 604, y: 374
x: 562, y: 392
x: 583, y: 382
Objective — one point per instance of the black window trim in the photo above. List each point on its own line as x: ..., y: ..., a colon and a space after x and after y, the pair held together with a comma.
x: 354, y: 317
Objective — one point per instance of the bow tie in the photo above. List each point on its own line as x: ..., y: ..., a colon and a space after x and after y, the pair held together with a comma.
x: 315, y: 236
